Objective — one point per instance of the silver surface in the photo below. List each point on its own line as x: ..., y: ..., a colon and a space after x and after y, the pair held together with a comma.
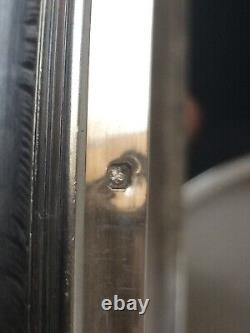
x: 217, y: 246
x: 130, y: 245
x: 62, y: 74
x: 94, y: 97
x: 164, y: 284
x: 117, y: 133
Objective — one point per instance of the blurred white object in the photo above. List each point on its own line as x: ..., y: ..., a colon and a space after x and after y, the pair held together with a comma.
x: 217, y: 244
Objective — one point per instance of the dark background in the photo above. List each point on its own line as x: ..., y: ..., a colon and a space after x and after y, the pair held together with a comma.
x: 219, y: 80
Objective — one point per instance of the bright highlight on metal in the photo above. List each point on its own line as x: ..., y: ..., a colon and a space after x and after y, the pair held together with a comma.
x: 117, y: 161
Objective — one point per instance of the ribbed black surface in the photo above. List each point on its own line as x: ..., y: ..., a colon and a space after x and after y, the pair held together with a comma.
x: 16, y: 177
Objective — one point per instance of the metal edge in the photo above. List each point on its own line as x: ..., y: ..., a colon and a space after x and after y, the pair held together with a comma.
x: 168, y: 90
x: 79, y: 105
x: 215, y: 181
x: 54, y: 167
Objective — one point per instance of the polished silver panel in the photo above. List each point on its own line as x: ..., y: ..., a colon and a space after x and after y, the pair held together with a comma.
x: 131, y: 230
x: 117, y: 161
x: 106, y: 223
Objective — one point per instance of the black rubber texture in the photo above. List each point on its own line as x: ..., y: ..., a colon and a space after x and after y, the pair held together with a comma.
x: 18, y: 53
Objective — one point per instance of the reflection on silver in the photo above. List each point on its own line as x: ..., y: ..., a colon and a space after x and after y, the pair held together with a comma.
x: 89, y: 239
x: 112, y: 253
x: 119, y: 72
x: 116, y: 161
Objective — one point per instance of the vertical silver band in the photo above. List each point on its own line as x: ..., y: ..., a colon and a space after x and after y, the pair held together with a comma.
x: 106, y: 222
